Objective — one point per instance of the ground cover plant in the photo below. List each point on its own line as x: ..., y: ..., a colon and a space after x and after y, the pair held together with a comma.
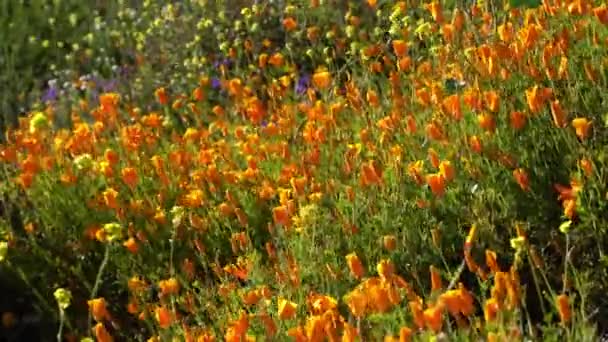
x: 307, y: 170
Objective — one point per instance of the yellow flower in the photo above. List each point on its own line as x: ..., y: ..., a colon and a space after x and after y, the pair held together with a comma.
x: 3, y: 250
x: 113, y: 231
x: 39, y: 121
x: 63, y: 298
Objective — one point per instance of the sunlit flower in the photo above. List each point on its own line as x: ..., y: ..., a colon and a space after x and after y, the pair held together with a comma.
x: 582, y: 127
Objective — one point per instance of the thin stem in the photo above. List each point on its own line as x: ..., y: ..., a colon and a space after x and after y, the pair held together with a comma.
x: 538, y: 290
x: 102, y: 267
x: 61, y: 322
x: 566, y: 257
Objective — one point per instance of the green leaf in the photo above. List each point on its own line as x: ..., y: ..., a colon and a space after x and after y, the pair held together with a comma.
x: 524, y: 3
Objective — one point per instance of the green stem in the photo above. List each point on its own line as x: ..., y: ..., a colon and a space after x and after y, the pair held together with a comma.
x: 61, y: 322
x: 102, y: 267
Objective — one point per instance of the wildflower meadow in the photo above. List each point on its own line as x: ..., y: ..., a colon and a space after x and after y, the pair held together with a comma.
x: 303, y: 170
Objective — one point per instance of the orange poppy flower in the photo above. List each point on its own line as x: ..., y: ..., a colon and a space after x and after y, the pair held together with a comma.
x: 417, y: 313
x: 98, y: 309
x: 521, y: 177
x: 491, y: 308
x: 446, y: 170
x: 169, y: 287
x: 436, y: 11
x: 534, y: 99
x: 434, y: 131
x: 321, y: 79
x: 433, y: 157
x: 451, y: 106
x: 371, y: 173
x: 436, y: 283
x: 517, y: 120
x: 287, y: 309
x: 276, y: 59
x: 492, y: 100
x: 475, y: 144
x: 558, y: 114
x: 487, y: 122
x: 587, y: 166
x: 290, y: 24
x: 389, y: 242
x: 433, y: 319
x: 601, y: 13
x: 164, y: 317
x: 491, y: 261
x: 161, y: 96
x: 436, y: 183
x: 400, y: 47
x: 101, y: 334
x: 129, y: 176
x: 563, y: 308
x: 131, y: 245
x: 355, y: 266
x: 404, y: 63
x: 581, y: 127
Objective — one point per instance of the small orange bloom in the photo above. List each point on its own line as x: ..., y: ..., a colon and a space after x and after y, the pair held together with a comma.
x: 417, y: 313
x: 435, y: 279
x: 587, y: 166
x: 109, y: 103
x: 287, y: 309
x: 321, y: 79
x: 101, y: 334
x: 521, y: 177
x: 563, y: 308
x: 164, y: 317
x: 355, y: 266
x: 389, y: 242
x: 276, y: 59
x: 433, y: 319
x: 169, y: 287
x: 129, y: 176
x: 517, y: 120
x: 487, y: 122
x: 434, y: 131
x: 280, y: 215
x: 161, y: 96
x: 492, y: 101
x: 446, y: 170
x: 433, y: 157
x: 581, y: 127
x: 475, y: 144
x: 558, y: 114
x: 98, y: 309
x: 400, y: 47
x: 451, y: 106
x: 436, y: 11
x: 131, y: 245
x: 437, y: 184
x: 601, y: 13
x: 290, y: 24
x: 385, y: 268
x: 491, y: 261
x: 405, y: 334
x: 490, y: 309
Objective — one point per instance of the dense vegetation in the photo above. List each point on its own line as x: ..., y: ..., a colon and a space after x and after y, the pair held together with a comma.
x: 304, y: 170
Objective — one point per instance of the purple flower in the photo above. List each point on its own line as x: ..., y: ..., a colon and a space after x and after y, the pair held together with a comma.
x: 108, y: 85
x: 50, y: 94
x: 227, y: 62
x: 303, y: 84
x: 215, y: 83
